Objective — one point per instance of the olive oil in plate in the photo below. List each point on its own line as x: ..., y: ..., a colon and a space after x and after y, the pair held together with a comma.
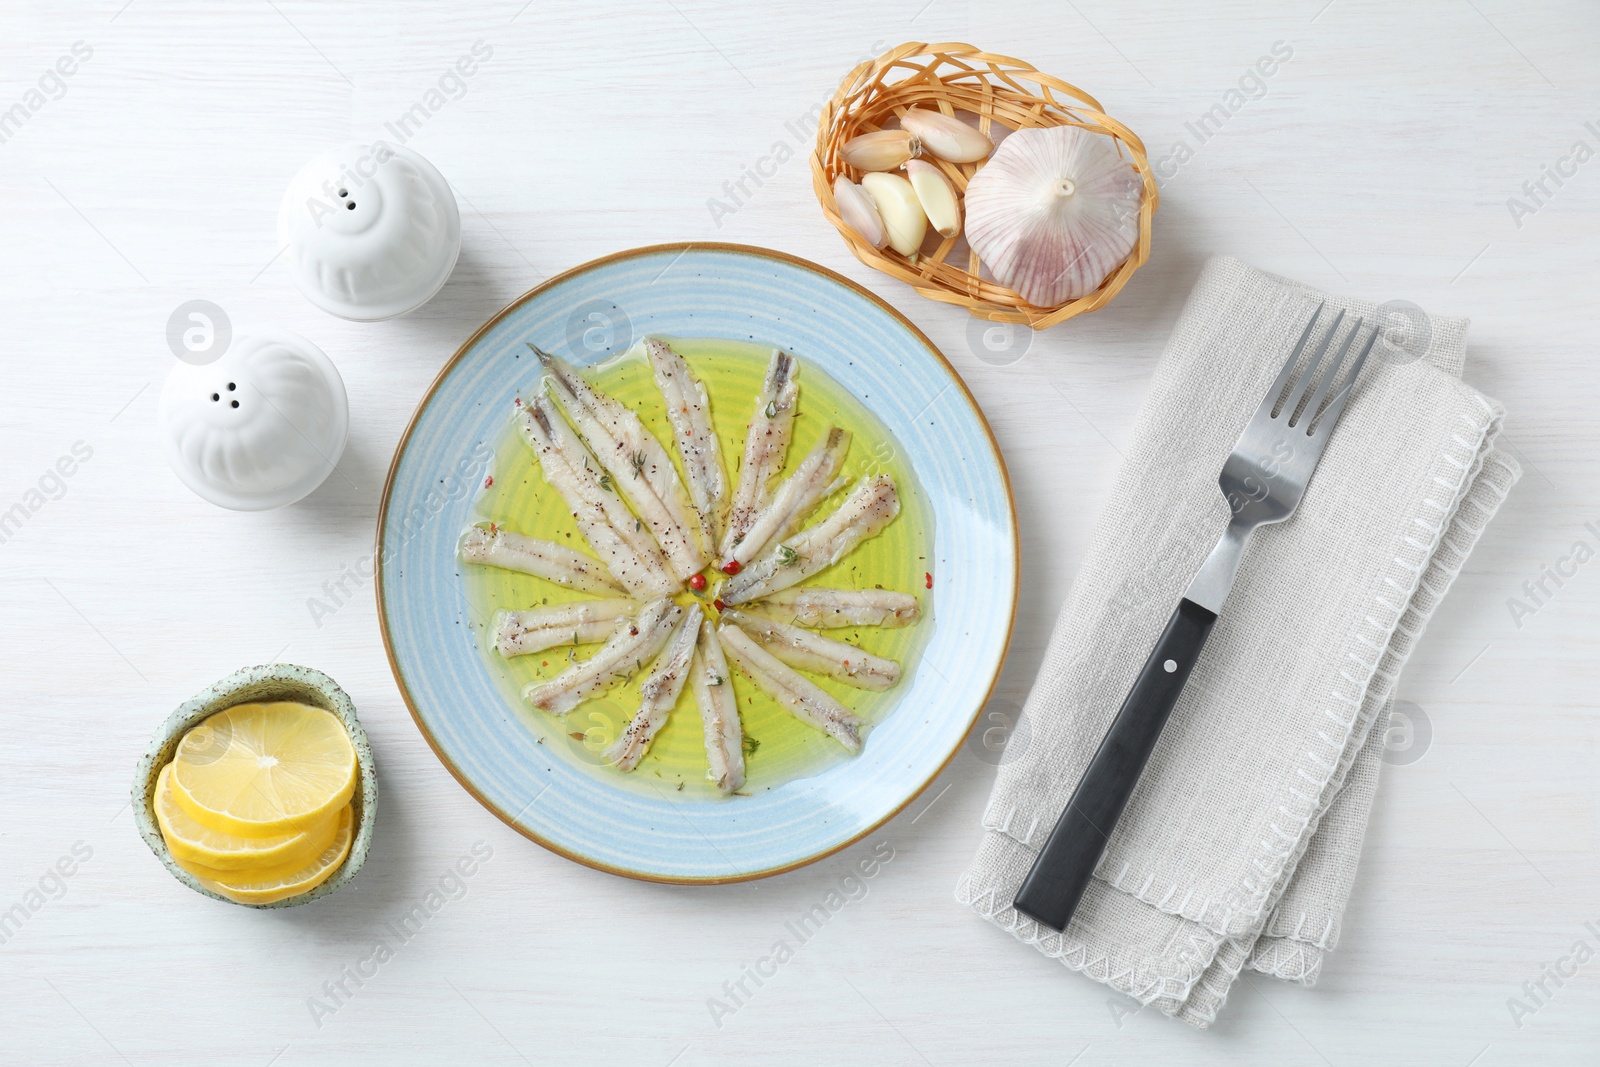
x: 778, y: 747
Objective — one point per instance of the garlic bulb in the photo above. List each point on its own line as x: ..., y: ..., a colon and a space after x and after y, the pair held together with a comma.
x: 880, y: 150
x: 859, y: 212
x: 1054, y: 213
x: 946, y: 136
x: 936, y: 195
x: 899, y: 209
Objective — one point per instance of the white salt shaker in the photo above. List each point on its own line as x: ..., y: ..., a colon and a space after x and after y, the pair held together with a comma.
x: 258, y: 428
x: 370, y: 231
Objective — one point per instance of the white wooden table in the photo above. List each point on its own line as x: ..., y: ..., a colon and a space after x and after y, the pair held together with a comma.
x: 1377, y: 159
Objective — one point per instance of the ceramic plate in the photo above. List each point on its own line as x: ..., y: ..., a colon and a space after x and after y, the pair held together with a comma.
x: 587, y: 813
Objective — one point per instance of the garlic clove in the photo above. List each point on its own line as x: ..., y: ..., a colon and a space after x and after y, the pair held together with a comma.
x: 880, y: 150
x: 1054, y: 213
x: 936, y: 195
x: 898, y: 207
x: 859, y: 212
x: 946, y: 136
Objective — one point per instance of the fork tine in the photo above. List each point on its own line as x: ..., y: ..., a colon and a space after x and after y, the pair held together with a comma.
x: 1302, y: 386
x: 1275, y: 394
x: 1328, y: 377
x: 1335, y: 408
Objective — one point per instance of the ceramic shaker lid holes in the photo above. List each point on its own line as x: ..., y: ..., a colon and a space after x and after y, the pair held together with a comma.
x: 370, y: 231
x: 258, y: 428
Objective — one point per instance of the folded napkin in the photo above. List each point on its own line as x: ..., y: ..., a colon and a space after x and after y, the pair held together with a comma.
x: 1239, y: 847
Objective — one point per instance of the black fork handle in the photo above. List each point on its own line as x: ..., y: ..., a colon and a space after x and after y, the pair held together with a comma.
x: 1062, y: 871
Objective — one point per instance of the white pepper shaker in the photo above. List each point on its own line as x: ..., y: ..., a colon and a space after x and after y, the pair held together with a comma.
x: 370, y: 231
x: 258, y: 428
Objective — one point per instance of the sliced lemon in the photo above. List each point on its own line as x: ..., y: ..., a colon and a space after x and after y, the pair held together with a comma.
x: 190, y: 841
x: 264, y: 887
x: 246, y: 877
x: 264, y: 769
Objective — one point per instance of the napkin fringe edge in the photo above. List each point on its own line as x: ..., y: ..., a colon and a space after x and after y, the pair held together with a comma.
x: 985, y: 903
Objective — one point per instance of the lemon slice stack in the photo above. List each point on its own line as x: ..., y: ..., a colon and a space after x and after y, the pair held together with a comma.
x: 256, y: 803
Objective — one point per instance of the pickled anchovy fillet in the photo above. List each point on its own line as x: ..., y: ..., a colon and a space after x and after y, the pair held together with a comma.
x: 616, y: 536
x: 766, y: 444
x: 689, y: 411
x: 495, y: 546
x: 871, y: 506
x: 658, y: 694
x: 632, y: 643
x: 807, y: 651
x: 800, y: 697
x: 794, y: 498
x: 639, y: 466
x: 719, y: 713
x: 836, y: 608
x: 582, y: 622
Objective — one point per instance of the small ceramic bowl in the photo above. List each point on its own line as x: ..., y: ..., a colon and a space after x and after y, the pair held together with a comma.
x: 273, y: 681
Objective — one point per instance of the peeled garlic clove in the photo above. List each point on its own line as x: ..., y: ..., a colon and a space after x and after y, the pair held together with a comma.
x: 859, y: 212
x: 881, y: 150
x: 946, y: 136
x: 1054, y: 213
x: 936, y: 195
x: 899, y: 209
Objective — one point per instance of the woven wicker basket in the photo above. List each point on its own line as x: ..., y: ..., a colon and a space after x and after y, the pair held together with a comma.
x: 998, y: 89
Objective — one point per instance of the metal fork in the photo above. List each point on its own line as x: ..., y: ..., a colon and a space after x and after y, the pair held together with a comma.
x: 1262, y: 481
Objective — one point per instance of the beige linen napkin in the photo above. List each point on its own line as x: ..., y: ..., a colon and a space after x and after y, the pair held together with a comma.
x: 1240, y: 845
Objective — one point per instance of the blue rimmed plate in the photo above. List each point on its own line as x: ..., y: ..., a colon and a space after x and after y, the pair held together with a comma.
x: 696, y: 290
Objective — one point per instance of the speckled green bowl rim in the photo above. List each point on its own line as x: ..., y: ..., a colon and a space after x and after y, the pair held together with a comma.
x: 272, y: 681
